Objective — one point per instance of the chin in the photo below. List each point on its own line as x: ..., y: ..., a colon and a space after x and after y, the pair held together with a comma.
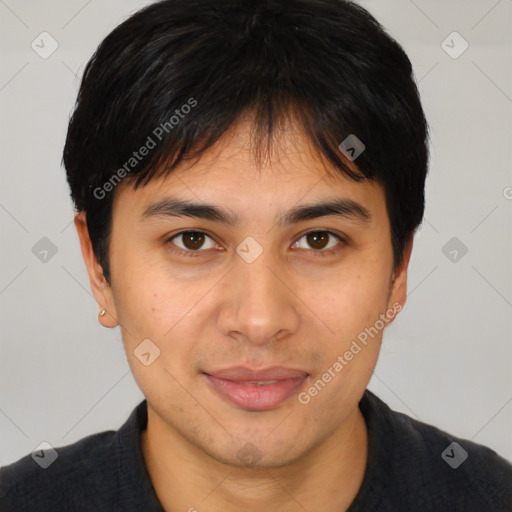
x: 255, y: 454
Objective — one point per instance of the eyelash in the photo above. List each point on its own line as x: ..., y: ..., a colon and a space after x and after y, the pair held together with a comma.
x: 316, y: 253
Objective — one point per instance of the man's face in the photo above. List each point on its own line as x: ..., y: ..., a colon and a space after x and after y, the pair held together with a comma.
x: 259, y: 295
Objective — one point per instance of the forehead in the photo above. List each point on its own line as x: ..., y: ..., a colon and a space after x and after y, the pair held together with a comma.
x: 290, y: 171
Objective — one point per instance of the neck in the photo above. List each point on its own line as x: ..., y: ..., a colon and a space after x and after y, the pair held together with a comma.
x: 185, y: 478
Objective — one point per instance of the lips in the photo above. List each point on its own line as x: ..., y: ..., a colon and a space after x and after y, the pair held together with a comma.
x: 256, y: 390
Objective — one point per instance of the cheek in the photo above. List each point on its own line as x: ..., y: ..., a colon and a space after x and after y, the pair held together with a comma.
x: 170, y: 313
x: 355, y: 302
x: 146, y: 299
x: 352, y: 307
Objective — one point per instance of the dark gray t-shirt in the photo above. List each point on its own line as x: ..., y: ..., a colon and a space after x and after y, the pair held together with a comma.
x: 411, y: 467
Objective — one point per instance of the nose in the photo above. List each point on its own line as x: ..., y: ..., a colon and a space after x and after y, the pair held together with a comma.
x: 259, y: 305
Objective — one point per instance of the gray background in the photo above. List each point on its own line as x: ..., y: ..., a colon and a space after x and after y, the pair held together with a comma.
x: 446, y: 360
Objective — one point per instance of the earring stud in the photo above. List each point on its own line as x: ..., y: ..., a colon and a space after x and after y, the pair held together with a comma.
x: 102, y: 312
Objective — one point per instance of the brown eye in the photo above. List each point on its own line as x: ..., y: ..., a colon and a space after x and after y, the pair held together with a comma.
x: 192, y: 241
x: 318, y: 241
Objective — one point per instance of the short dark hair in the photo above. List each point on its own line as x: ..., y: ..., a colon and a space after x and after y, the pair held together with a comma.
x: 176, y: 75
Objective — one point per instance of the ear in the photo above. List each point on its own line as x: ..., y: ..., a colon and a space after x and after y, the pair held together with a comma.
x: 99, y: 286
x: 398, y: 294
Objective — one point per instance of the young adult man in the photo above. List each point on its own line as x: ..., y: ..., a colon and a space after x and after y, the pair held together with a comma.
x: 248, y: 177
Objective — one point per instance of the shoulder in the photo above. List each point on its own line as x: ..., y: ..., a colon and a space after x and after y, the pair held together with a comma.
x: 55, y: 478
x: 457, y: 469
x: 435, y: 470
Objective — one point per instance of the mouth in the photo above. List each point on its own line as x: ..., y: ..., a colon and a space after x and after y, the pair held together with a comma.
x: 256, y: 390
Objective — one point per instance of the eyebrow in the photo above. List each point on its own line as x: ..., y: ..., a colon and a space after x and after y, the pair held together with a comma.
x: 173, y: 207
